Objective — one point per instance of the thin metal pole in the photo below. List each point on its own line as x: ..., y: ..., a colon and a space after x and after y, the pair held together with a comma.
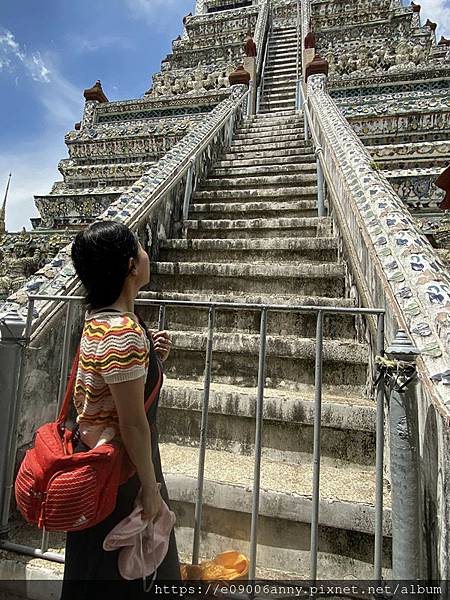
x: 305, y: 119
x: 64, y: 369
x: 316, y: 455
x: 28, y: 551
x: 203, y: 433
x: 297, y: 99
x: 378, y: 551
x: 61, y: 389
x: 404, y: 460
x: 11, y: 445
x: 162, y: 318
x: 258, y: 441
x: 320, y: 187
x: 187, y: 192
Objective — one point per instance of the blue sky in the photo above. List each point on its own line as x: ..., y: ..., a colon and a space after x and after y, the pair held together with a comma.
x: 51, y: 50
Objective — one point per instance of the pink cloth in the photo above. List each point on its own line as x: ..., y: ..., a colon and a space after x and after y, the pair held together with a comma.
x: 144, y: 543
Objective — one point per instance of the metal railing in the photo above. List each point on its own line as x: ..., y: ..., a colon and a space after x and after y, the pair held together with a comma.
x: 262, y: 69
x: 213, y: 308
x: 226, y: 125
x: 298, y: 57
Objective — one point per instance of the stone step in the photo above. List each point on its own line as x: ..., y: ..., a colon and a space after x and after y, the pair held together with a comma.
x: 253, y: 210
x: 288, y: 72
x: 286, y: 50
x: 346, y: 512
x: 265, y: 128
x: 279, y: 86
x: 288, y: 422
x: 269, y: 104
x: 253, y: 145
x: 276, y: 77
x: 278, y: 118
x: 254, y: 193
x: 280, y: 112
x: 290, y: 361
x: 286, y: 68
x: 283, y: 251
x: 274, y: 95
x: 264, y: 123
x: 258, y: 133
x: 230, y: 183
x: 283, y: 37
x: 287, y: 159
x: 248, y: 320
x: 281, y: 140
x: 282, y: 60
x: 250, y: 171
x: 306, y: 278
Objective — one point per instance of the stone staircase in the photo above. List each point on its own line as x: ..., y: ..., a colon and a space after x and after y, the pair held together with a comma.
x: 253, y: 236
x: 281, y: 71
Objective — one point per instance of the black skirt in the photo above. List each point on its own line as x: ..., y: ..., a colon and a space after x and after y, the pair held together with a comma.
x: 88, y: 568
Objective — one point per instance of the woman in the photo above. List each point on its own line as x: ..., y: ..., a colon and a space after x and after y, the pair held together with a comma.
x: 119, y: 367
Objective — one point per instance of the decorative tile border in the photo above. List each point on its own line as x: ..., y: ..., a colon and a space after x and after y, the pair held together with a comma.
x: 412, y: 271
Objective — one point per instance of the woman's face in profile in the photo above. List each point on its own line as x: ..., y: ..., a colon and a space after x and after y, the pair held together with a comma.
x: 143, y: 266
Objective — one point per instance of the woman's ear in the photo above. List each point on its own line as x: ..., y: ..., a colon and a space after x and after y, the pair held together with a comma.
x: 131, y: 266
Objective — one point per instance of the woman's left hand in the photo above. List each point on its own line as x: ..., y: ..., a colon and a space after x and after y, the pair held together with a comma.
x: 162, y: 344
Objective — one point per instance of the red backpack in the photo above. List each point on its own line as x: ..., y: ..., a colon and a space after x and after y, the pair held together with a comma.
x: 63, y: 491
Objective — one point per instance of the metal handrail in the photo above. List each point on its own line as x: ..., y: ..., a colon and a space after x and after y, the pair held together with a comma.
x: 263, y: 67
x: 264, y: 309
x: 322, y: 176
x: 169, y: 184
x: 299, y: 49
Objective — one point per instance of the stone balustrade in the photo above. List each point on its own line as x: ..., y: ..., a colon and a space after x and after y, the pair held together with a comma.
x: 394, y: 266
x: 143, y: 206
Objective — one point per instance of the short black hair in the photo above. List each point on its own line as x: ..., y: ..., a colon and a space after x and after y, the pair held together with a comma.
x: 100, y: 254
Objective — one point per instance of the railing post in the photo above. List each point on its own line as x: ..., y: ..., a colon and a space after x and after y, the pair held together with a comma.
x: 380, y: 393
x: 305, y: 119
x: 316, y: 451
x: 320, y: 184
x: 299, y: 44
x: 188, y: 192
x: 12, y: 330
x: 404, y: 450
x: 203, y: 434
x: 258, y: 442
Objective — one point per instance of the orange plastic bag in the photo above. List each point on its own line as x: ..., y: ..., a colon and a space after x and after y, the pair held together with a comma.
x: 226, y: 566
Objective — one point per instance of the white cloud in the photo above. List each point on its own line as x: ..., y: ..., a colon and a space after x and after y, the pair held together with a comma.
x: 160, y: 13
x: 437, y: 11
x: 34, y: 164
x: 62, y: 100
x: 13, y: 55
x: 34, y: 170
x: 82, y: 45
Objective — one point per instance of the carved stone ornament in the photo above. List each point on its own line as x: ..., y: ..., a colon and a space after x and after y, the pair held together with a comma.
x: 96, y: 93
x: 317, y: 66
x: 250, y: 46
x: 239, y: 76
x: 310, y: 41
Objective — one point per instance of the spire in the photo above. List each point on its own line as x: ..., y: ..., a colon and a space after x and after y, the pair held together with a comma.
x: 3, y: 209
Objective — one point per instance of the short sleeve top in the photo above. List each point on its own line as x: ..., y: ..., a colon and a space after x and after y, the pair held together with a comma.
x: 114, y: 348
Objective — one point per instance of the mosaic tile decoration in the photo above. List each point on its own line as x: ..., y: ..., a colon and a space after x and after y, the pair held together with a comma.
x: 413, y: 271
x: 58, y: 277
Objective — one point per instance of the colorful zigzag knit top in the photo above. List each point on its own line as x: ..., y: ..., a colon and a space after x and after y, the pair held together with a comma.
x: 113, y: 348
